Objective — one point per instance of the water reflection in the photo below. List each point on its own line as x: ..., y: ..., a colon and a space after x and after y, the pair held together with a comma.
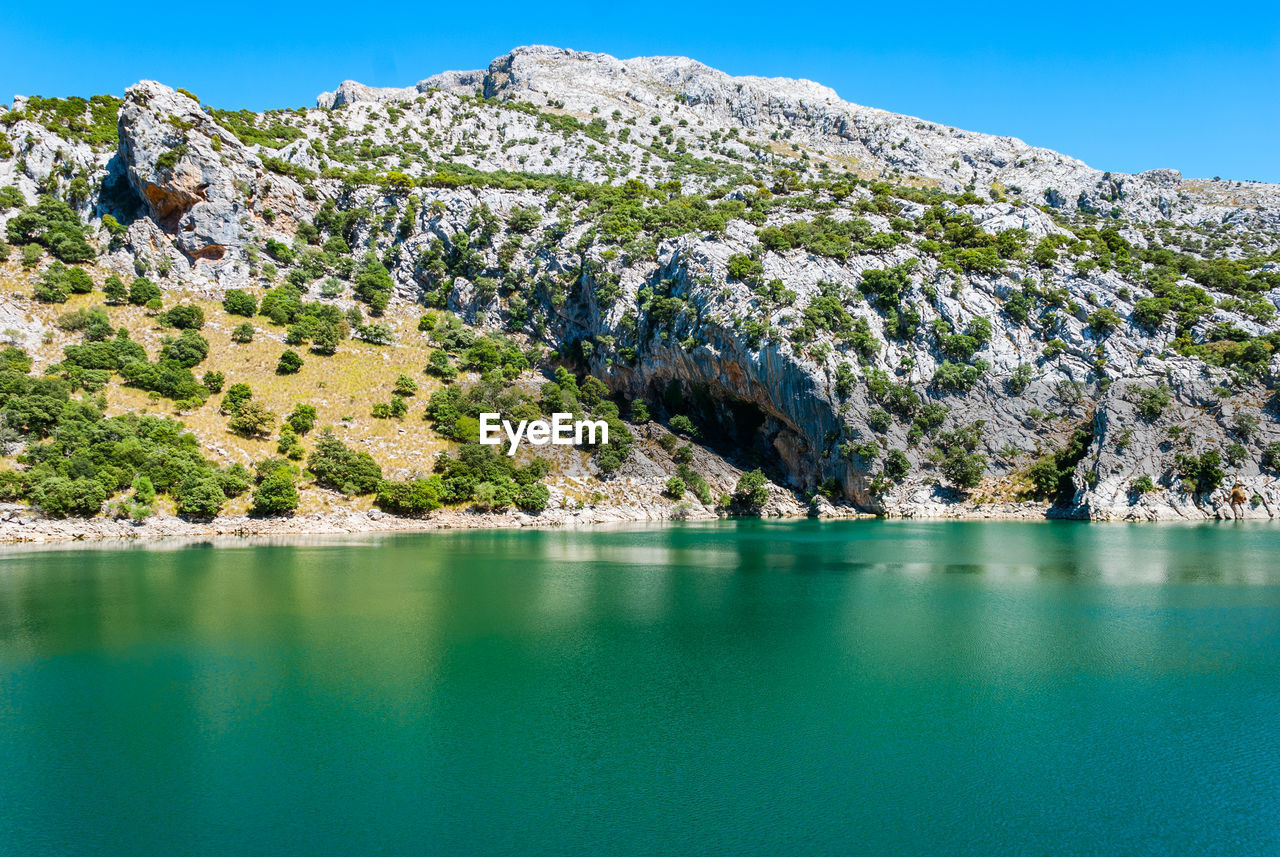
x: 737, y: 687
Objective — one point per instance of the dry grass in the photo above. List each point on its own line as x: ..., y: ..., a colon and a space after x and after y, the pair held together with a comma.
x: 342, y: 387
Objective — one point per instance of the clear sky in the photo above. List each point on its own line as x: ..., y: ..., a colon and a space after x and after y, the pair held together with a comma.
x: 1123, y: 86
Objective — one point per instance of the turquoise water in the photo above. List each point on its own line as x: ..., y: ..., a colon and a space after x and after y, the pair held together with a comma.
x: 868, y: 687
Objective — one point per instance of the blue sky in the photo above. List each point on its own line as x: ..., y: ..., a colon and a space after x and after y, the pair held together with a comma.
x: 1125, y: 87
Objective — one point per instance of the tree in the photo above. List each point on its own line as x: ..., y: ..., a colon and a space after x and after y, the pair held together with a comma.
x: 325, y: 339
x: 334, y: 465
x: 303, y: 418
x: 240, y: 302
x: 405, y: 386
x: 252, y: 419
x: 187, y: 349
x: 964, y: 469
x: 683, y: 425
x: 412, y: 497
x: 243, y: 333
x: 51, y: 288
x: 235, y: 398
x: 54, y: 225
x: 289, y: 363
x: 200, y: 497
x: 213, y: 381
x: 142, y: 291
x: 184, y: 317
x: 752, y: 492
x: 373, y: 284
x: 275, y: 496
x: 675, y: 488
x: 533, y: 498
x: 59, y: 496
x: 115, y: 291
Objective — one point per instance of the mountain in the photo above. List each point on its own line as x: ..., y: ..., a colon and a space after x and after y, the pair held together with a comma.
x: 882, y: 313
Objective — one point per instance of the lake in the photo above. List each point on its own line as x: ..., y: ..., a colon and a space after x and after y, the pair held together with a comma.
x: 739, y: 687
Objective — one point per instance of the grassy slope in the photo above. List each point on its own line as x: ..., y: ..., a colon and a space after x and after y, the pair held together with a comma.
x: 342, y: 387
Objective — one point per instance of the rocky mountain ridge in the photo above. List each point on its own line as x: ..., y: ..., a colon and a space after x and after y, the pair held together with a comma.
x: 903, y: 316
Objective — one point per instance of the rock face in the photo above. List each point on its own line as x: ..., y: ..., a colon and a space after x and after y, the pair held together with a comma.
x: 200, y: 183
x: 657, y: 309
x: 814, y: 117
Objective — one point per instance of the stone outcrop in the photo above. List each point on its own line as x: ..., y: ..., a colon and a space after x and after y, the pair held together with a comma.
x: 200, y: 183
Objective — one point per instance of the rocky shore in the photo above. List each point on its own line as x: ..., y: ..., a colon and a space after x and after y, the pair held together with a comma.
x: 20, y: 525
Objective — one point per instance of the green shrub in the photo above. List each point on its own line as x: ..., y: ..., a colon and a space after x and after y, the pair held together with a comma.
x: 533, y: 498
x: 200, y: 497
x: 683, y: 425
x: 675, y: 488
x: 240, y: 302
x: 1019, y: 379
x: 58, y: 281
x: 412, y: 497
x: 1200, y: 474
x: 524, y: 219
x: 752, y: 492
x: 1103, y: 321
x: 896, y: 465
x: 957, y: 376
x: 302, y: 418
x: 236, y: 396
x: 60, y: 496
x: 336, y: 466
x: 250, y: 418
x: 114, y: 290
x: 963, y: 468
x: 961, y: 463
x: 1150, y: 313
x: 213, y: 381
x: 275, y: 496
x: 373, y: 284
x: 405, y: 386
x: 183, y: 317
x: 1152, y: 401
x: 289, y: 363
x: 743, y: 267
x: 879, y: 420
x: 1271, y: 458
x: 186, y: 350
x: 55, y: 226
x: 142, y: 292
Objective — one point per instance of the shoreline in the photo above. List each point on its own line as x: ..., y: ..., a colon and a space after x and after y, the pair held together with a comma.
x: 19, y: 526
